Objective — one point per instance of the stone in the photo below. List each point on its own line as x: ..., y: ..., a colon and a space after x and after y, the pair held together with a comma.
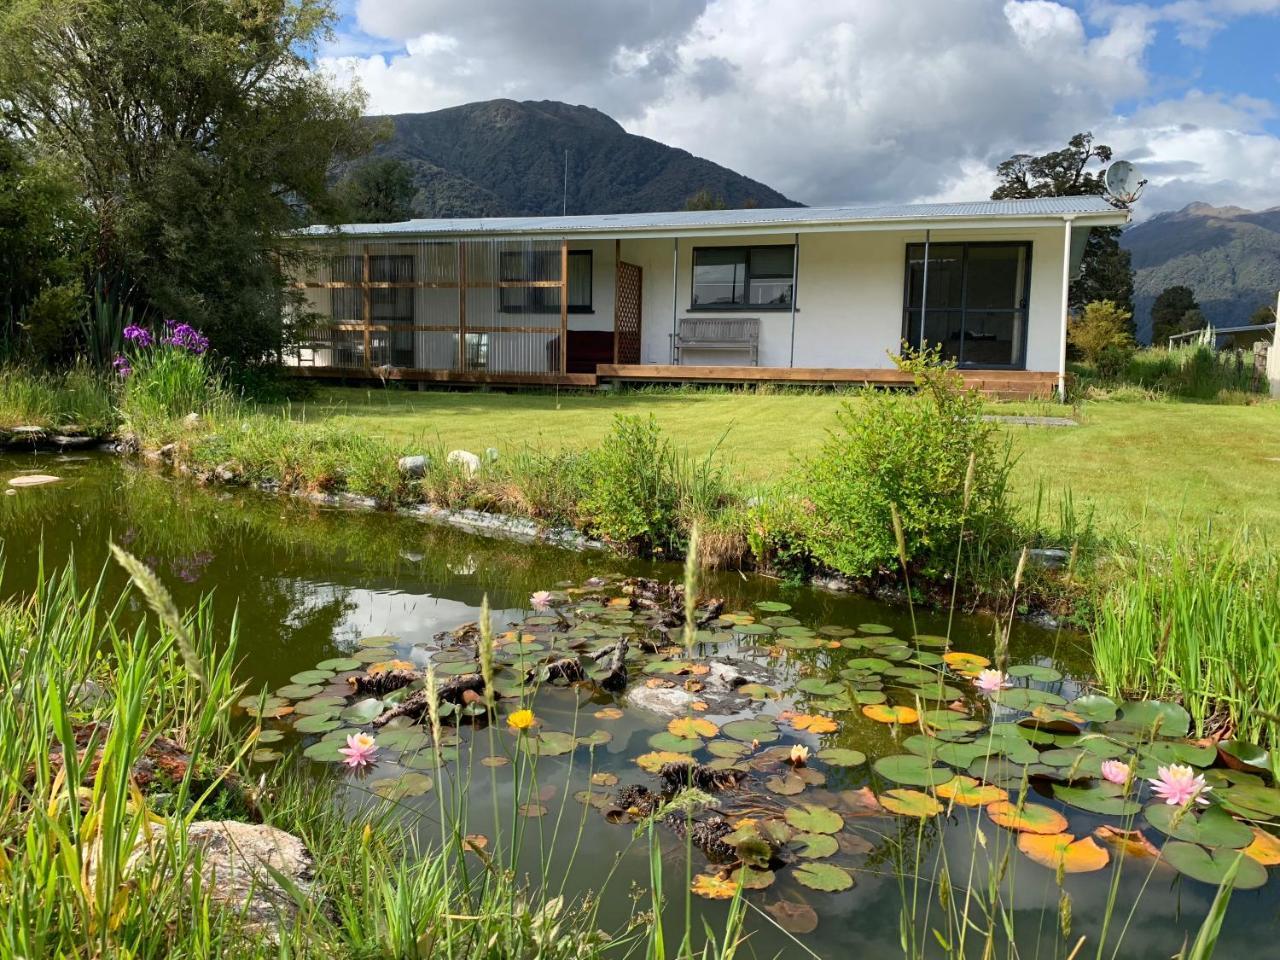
x: 191, y: 420
x: 63, y: 440
x: 32, y: 480
x: 413, y: 466
x: 719, y: 690
x: 226, y: 473
x: 1051, y: 558
x: 490, y: 454
x: 238, y: 867
x: 465, y: 459
x: 28, y: 432
x: 167, y: 451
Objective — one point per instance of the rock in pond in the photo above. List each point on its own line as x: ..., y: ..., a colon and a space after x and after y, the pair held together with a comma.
x: 413, y: 466
x: 465, y: 459
x: 32, y: 480
x: 718, y: 691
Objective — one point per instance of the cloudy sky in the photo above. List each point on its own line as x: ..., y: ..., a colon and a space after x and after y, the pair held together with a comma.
x: 848, y: 101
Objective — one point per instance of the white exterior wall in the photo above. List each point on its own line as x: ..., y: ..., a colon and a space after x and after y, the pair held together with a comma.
x: 849, y: 297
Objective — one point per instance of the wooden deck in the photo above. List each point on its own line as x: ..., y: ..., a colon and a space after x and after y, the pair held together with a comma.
x: 1005, y: 384
x: 1002, y: 384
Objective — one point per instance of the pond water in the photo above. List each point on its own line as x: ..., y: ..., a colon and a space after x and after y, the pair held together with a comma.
x: 317, y: 588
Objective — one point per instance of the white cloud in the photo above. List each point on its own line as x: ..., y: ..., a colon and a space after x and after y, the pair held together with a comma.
x: 843, y: 100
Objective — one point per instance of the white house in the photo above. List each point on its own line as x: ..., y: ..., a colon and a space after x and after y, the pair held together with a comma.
x: 796, y: 294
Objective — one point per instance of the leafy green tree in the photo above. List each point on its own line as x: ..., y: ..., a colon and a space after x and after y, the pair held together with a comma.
x: 199, y: 137
x: 1169, y: 312
x: 1101, y: 326
x: 1264, y: 314
x: 379, y: 190
x: 1106, y: 271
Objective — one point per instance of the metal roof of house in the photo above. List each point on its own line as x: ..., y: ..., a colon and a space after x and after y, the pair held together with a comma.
x: 1092, y: 208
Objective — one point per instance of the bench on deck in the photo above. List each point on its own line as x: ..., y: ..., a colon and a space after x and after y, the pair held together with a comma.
x: 718, y: 333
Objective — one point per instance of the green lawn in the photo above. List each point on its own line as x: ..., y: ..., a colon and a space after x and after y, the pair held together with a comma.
x: 1142, y: 466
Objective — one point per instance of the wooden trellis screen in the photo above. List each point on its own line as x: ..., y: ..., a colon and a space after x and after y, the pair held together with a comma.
x: 626, y: 314
x: 477, y: 307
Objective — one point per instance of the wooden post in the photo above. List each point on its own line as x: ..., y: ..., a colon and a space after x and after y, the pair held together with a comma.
x: 367, y: 294
x: 564, y: 305
x: 617, y: 275
x: 462, y: 305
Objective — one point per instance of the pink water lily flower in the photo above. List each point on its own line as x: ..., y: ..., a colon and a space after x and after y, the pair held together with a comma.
x: 992, y: 682
x: 1178, y: 785
x: 541, y: 599
x: 359, y: 750
x: 1115, y: 771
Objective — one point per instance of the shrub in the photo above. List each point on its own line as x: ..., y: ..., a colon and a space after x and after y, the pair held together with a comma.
x: 913, y: 452
x: 1103, y: 327
x: 631, y: 495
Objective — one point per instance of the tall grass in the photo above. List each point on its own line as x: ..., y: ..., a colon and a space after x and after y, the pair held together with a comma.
x: 1190, y: 371
x: 166, y: 385
x: 1196, y: 622
x: 79, y: 397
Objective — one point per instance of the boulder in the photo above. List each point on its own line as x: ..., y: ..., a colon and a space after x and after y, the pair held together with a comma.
x: 467, y: 460
x: 239, y: 866
x: 413, y: 466
x: 719, y: 690
x: 191, y: 421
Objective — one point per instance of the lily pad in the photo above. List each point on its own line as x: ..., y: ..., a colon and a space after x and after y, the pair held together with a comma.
x: 1255, y: 800
x: 748, y: 730
x: 1147, y: 716
x: 875, y: 629
x: 411, y: 784
x: 910, y: 803
x: 1027, y: 818
x: 759, y: 691
x: 548, y: 743
x: 820, y: 687
x: 826, y: 877
x: 842, y: 757
x: 773, y: 606
x: 887, y: 713
x: 969, y: 792
x: 793, y: 917
x: 1107, y: 799
x: 317, y: 723
x: 811, y: 818
x: 672, y: 743
x: 1095, y: 708
x: 325, y: 751
x: 911, y: 769
x: 363, y: 711
x: 691, y: 727
x: 815, y: 846
x: 1211, y: 866
x: 307, y: 677
x: 299, y: 691
x: 339, y: 664
x: 1214, y: 827
x: 1063, y: 851
x: 1032, y: 671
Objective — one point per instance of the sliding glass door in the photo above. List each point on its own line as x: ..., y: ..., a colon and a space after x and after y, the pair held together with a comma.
x: 976, y: 306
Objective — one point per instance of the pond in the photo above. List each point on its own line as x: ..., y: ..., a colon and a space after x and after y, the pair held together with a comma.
x: 876, y: 819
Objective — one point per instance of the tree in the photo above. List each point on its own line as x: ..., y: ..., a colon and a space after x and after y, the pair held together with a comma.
x: 1106, y: 271
x: 199, y: 138
x: 1264, y: 314
x: 1169, y: 312
x: 1102, y: 326
x: 377, y: 191
x: 704, y: 199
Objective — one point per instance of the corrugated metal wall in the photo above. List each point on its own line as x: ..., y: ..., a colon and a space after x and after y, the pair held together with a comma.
x: 490, y: 306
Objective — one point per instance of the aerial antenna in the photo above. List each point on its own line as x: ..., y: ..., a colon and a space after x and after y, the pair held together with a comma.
x: 564, y: 204
x: 1123, y: 183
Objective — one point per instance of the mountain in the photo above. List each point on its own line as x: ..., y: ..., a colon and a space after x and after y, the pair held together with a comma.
x: 1229, y: 256
x: 507, y: 158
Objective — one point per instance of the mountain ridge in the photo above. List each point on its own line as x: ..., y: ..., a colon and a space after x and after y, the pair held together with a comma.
x: 1229, y: 256
x: 507, y: 158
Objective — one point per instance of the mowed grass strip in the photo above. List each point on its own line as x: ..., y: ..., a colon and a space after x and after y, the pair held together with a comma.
x: 1144, y: 467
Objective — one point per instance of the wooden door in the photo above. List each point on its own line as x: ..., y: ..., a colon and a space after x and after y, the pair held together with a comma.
x: 626, y: 314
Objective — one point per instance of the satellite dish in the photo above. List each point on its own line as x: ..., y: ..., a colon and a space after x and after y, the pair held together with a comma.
x: 1123, y: 182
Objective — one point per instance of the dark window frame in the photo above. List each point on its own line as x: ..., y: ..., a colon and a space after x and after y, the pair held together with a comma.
x: 1017, y: 363
x: 745, y: 249
x: 588, y: 307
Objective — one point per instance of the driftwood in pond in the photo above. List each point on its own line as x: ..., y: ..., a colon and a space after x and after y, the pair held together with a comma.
x: 615, y: 681
x: 568, y: 669
x: 382, y: 682
x: 686, y: 773
x: 415, y: 705
x: 707, y: 835
x: 668, y: 598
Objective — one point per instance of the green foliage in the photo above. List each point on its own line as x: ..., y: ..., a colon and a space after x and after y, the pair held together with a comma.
x: 79, y: 397
x: 52, y: 322
x: 1169, y: 312
x: 1190, y: 371
x: 1106, y: 271
x: 376, y: 191
x: 166, y: 385
x: 1195, y: 620
x: 1103, y: 326
x: 207, y: 141
x: 913, y: 452
x: 704, y: 199
x: 631, y: 495
x: 42, y: 230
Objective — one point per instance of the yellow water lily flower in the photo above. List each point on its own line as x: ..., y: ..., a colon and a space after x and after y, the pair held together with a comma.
x: 521, y: 720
